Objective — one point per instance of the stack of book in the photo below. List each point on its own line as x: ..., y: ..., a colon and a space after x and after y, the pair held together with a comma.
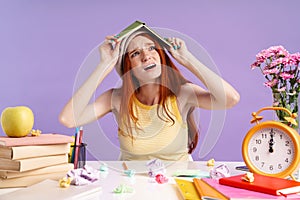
x: 28, y: 160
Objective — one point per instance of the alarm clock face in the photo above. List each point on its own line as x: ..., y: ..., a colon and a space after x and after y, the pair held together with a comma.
x: 271, y: 150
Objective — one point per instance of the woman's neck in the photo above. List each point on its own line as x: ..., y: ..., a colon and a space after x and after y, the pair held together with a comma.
x: 148, y: 94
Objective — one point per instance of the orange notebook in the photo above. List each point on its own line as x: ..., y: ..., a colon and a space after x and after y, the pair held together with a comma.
x: 206, y: 191
x: 263, y: 184
x: 45, y: 138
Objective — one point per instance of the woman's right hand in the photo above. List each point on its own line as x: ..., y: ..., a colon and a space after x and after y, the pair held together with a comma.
x: 179, y: 51
x: 108, y: 55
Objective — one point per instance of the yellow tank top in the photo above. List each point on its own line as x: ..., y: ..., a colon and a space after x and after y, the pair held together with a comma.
x: 156, y: 136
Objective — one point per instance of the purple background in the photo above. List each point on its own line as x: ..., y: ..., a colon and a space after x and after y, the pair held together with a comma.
x: 44, y: 43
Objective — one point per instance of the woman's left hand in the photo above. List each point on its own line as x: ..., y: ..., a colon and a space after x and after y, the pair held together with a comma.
x: 179, y: 50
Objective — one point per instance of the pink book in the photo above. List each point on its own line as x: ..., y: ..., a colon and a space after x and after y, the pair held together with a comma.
x: 44, y: 138
x: 237, y: 193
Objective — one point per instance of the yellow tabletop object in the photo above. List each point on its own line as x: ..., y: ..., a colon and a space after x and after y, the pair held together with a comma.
x: 36, y: 132
x: 187, y: 189
x: 65, y: 182
x: 248, y: 177
x: 211, y: 162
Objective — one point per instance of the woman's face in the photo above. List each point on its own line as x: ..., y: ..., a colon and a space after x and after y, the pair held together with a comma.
x: 144, y: 59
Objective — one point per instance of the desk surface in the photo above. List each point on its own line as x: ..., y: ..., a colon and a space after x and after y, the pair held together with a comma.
x: 143, y: 187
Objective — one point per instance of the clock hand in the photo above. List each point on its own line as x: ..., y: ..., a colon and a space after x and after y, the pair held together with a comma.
x: 271, y: 142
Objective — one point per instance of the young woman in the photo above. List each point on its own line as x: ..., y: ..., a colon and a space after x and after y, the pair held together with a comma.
x: 154, y: 105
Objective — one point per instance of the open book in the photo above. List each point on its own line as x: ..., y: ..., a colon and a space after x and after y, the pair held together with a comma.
x: 141, y: 25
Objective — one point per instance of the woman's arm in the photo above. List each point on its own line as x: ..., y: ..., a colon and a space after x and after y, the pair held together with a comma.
x: 219, y: 94
x: 79, y: 110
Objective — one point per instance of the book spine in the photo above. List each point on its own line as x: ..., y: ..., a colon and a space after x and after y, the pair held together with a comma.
x: 6, y: 152
x: 8, y: 164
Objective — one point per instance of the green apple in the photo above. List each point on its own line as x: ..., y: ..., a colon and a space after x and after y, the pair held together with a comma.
x: 17, y: 121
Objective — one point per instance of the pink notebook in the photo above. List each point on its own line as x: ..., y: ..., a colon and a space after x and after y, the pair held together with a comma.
x: 236, y: 193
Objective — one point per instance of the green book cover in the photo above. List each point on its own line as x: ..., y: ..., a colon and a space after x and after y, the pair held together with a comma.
x: 141, y: 25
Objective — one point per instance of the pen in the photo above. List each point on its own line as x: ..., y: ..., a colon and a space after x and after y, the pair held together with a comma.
x: 74, y: 145
x: 76, y: 148
x: 80, y: 135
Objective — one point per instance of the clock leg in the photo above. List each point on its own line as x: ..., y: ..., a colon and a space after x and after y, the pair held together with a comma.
x: 293, y: 177
x: 296, y: 175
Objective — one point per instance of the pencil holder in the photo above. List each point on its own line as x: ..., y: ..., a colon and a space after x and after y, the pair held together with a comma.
x: 81, y: 156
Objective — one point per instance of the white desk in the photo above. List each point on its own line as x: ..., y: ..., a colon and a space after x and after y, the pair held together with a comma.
x: 144, y: 189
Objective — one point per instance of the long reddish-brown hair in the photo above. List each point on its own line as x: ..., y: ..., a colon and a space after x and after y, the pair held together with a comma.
x: 171, y: 81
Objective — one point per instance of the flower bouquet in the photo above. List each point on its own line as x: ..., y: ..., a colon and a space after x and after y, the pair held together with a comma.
x: 281, y: 70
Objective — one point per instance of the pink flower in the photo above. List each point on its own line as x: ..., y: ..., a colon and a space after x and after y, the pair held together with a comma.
x: 295, y: 58
x: 261, y: 56
x: 286, y: 75
x: 282, y: 72
x: 254, y: 65
x: 271, y: 83
x: 277, y: 51
x: 278, y: 62
x: 270, y: 71
x: 289, y: 60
